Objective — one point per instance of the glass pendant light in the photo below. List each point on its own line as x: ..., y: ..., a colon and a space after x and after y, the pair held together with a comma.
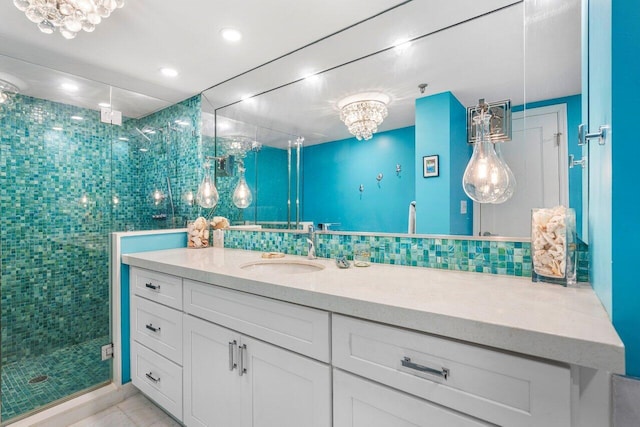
x: 242, y: 196
x: 511, y: 187
x: 207, y: 195
x: 485, y: 179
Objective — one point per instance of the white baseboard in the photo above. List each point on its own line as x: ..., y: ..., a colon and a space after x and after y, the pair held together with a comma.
x: 78, y: 408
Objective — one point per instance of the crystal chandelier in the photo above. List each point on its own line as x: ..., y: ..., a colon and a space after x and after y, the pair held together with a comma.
x: 363, y: 113
x: 69, y: 16
x: 7, y: 92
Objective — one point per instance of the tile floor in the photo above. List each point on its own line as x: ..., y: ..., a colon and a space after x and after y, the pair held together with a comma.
x: 69, y: 370
x: 136, y: 411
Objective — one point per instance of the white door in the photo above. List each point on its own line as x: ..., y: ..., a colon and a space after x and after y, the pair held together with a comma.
x: 283, y: 389
x: 211, y: 388
x: 538, y: 157
x: 362, y: 403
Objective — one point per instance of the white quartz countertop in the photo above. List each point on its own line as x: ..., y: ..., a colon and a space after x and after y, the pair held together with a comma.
x: 563, y: 324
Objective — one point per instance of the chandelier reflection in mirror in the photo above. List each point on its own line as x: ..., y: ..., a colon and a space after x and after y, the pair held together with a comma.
x: 363, y: 113
x: 7, y: 92
x: 68, y: 16
x: 239, y: 145
x: 242, y: 196
x: 487, y: 178
x: 207, y: 195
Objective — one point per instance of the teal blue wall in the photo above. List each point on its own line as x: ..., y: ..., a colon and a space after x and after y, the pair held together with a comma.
x: 132, y: 244
x: 625, y: 69
x: 613, y: 65
x: 334, y: 171
x: 441, y: 129
x: 574, y: 118
x: 600, y: 162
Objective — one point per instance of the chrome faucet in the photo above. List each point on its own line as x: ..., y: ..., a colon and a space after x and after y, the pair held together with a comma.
x: 311, y: 238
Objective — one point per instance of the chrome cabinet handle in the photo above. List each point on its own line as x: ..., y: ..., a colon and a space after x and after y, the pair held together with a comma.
x: 241, y: 368
x: 442, y: 372
x: 232, y: 345
x: 151, y: 328
x: 152, y: 378
x: 150, y: 285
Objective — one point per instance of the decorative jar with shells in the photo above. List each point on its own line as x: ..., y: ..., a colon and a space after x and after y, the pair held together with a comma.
x: 553, y: 245
x: 198, y: 233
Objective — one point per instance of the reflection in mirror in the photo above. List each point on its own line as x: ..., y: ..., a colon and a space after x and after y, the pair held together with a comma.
x: 430, y: 81
x: 105, y: 157
x: 258, y: 173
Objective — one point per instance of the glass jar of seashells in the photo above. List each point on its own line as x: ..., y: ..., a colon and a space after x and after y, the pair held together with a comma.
x: 198, y: 233
x: 553, y: 245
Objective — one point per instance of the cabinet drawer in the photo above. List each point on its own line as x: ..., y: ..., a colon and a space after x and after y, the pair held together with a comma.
x: 158, y: 287
x: 491, y: 385
x: 157, y: 327
x: 361, y: 403
x: 297, y: 328
x: 158, y: 378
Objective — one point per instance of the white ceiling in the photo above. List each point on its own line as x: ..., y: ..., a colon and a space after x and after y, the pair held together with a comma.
x: 486, y: 56
x: 127, y: 49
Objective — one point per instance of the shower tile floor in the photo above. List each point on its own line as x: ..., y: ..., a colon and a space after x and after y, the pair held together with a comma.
x: 69, y: 370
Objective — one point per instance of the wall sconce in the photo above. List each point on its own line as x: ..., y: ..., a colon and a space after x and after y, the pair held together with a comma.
x: 487, y: 178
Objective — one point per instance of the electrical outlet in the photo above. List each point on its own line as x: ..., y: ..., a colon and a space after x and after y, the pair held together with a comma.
x: 107, y: 351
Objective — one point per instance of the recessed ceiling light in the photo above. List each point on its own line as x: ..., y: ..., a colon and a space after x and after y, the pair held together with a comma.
x: 57, y: 128
x: 168, y: 72
x: 245, y: 97
x: 104, y: 105
x: 69, y: 86
x: 401, y: 45
x: 312, y: 78
x: 231, y: 34
x: 77, y: 118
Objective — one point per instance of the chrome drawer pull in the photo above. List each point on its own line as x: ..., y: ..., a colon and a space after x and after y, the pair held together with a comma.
x: 241, y: 368
x: 150, y: 285
x: 232, y: 345
x: 152, y: 378
x: 407, y: 363
x: 151, y: 328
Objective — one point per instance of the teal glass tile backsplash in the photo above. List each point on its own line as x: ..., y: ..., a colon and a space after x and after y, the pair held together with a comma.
x: 482, y: 256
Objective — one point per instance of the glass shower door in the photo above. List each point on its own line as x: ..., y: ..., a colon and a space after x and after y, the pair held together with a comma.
x: 55, y: 201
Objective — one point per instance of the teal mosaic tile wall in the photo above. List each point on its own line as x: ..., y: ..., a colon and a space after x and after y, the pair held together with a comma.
x: 61, y: 193
x: 482, y: 256
x: 54, y: 245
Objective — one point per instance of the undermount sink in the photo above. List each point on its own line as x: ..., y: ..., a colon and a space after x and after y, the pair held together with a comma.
x: 282, y: 266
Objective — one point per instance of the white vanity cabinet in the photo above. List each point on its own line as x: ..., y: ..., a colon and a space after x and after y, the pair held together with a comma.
x: 233, y: 379
x: 453, y: 378
x: 156, y: 337
x: 216, y: 356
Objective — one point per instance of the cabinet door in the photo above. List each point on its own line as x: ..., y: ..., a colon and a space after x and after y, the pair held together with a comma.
x: 362, y: 403
x: 211, y: 388
x: 283, y: 389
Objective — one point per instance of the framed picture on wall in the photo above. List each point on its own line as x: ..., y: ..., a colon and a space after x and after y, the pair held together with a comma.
x: 430, y: 166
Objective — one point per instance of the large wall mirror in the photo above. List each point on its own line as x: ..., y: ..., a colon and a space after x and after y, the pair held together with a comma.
x: 431, y: 61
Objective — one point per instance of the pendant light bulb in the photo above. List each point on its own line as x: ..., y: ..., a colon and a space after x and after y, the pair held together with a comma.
x: 242, y: 196
x: 485, y: 179
x: 207, y: 195
x: 511, y: 187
